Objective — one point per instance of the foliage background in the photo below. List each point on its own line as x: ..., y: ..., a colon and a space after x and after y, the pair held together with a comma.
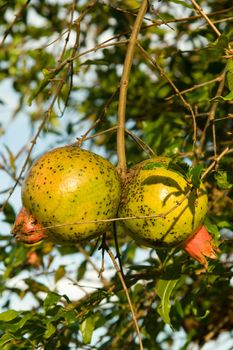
x: 62, y: 62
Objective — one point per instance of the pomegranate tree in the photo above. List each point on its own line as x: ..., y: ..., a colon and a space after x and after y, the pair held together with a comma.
x: 166, y: 209
x: 68, y: 195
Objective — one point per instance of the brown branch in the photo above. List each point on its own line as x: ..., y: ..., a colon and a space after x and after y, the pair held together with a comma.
x: 121, y: 278
x: 124, y: 88
x: 197, y: 86
x: 215, y: 162
x: 203, y: 14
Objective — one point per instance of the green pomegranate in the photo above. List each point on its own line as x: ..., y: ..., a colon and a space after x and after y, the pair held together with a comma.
x: 152, y: 189
x: 65, y: 193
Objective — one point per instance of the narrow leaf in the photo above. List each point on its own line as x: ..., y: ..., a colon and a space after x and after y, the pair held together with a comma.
x: 195, y: 174
x: 8, y: 315
x: 6, y: 338
x: 87, y: 328
x: 50, y: 330
x: 48, y: 76
x: 164, y: 290
x: 228, y: 97
x: 59, y: 273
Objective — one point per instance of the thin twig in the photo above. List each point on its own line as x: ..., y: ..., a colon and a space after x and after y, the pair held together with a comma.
x: 144, y: 146
x: 118, y: 253
x: 186, y: 104
x: 99, y: 120
x: 119, y: 273
x: 196, y: 86
x: 124, y: 88
x: 211, y: 116
x: 16, y: 19
x: 215, y: 162
x: 204, y: 15
x: 88, y: 258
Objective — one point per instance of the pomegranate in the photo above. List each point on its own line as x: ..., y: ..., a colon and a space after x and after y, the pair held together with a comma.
x: 69, y: 192
x: 166, y: 209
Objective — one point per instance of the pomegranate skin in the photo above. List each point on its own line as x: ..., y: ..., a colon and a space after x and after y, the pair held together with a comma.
x: 164, y: 207
x: 72, y: 193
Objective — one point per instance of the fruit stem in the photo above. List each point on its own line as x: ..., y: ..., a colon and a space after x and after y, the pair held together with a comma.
x: 124, y: 87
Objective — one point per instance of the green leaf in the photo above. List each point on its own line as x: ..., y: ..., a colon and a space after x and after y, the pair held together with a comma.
x: 9, y: 213
x: 28, y: 316
x: 87, y: 328
x: 59, y: 273
x: 95, y: 62
x: 229, y: 77
x: 50, y: 330
x: 81, y: 270
x: 164, y: 290
x: 70, y: 316
x: 195, y: 174
x: 222, y: 181
x: 48, y: 76
x: 8, y: 315
x: 6, y: 338
x: 35, y: 286
x: 51, y: 300
x: 221, y: 43
x: 213, y: 229
x: 229, y: 66
x: 152, y: 166
x: 228, y: 97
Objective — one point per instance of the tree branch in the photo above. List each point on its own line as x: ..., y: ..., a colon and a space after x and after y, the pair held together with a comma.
x: 124, y: 88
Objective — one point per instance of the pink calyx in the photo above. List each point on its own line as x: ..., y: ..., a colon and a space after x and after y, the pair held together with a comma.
x: 200, y: 246
x: 27, y: 229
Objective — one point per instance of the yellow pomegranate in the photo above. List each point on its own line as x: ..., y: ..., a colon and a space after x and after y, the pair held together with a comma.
x: 165, y: 208
x: 65, y: 193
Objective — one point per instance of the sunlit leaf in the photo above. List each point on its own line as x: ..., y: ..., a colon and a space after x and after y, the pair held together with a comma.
x: 228, y: 97
x: 50, y: 330
x: 87, y: 328
x: 9, y: 315
x: 164, y: 290
x: 222, y: 180
x: 51, y: 300
x: 195, y: 174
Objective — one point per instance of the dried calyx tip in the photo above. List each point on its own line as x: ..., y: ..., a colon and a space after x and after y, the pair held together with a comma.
x: 26, y: 229
x: 200, y: 246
